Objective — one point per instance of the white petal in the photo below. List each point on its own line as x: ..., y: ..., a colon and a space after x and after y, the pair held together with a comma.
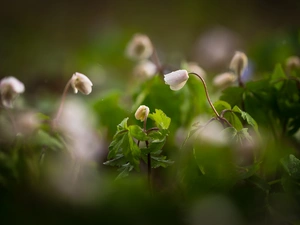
x: 176, y: 77
x: 178, y: 86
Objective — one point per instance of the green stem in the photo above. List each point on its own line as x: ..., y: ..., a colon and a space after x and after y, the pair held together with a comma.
x: 207, y: 95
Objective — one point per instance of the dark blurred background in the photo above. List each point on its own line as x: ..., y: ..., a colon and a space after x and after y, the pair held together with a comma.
x: 44, y: 42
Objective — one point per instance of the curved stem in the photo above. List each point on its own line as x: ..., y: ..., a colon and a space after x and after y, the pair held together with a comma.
x: 60, y: 109
x: 207, y: 95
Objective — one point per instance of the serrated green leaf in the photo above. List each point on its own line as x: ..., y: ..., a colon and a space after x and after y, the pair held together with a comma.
x: 116, y: 145
x: 154, y: 146
x: 138, y: 133
x: 246, y: 117
x: 234, y: 120
x: 118, y: 160
x: 160, y: 161
x: 160, y: 118
x: 131, y: 151
x: 291, y: 165
x: 123, y: 125
x: 125, y: 169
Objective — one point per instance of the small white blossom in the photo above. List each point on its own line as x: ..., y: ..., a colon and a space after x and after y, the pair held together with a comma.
x: 238, y: 63
x: 10, y: 88
x: 139, y: 47
x: 195, y: 68
x: 293, y: 62
x: 142, y: 113
x: 82, y: 83
x: 176, y: 79
x: 145, y: 69
x: 225, y: 79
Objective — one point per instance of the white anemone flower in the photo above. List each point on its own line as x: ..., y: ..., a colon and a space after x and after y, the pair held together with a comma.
x: 176, y: 79
x: 139, y: 47
x: 145, y: 70
x: 238, y: 63
x: 82, y: 83
x: 142, y: 113
x: 224, y: 80
x: 10, y: 88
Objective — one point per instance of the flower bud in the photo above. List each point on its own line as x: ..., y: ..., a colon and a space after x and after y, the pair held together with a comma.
x: 140, y: 47
x: 238, y: 63
x: 82, y: 83
x: 224, y: 79
x: 145, y: 70
x: 142, y: 113
x: 176, y: 79
x: 10, y: 87
x: 195, y: 68
x: 293, y: 62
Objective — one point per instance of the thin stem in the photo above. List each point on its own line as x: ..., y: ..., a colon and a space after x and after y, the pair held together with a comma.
x: 157, y: 61
x: 148, y: 156
x: 60, y: 109
x: 206, y: 92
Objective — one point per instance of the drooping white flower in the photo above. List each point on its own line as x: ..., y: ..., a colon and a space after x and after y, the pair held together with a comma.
x: 225, y: 79
x: 195, y: 68
x: 142, y: 113
x: 238, y: 63
x: 82, y: 83
x: 176, y: 79
x: 145, y: 70
x: 139, y: 47
x: 10, y: 88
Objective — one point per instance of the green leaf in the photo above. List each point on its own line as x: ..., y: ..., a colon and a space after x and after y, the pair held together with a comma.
x: 233, y: 120
x: 44, y: 138
x: 131, y: 151
x: 138, y: 133
x: 221, y: 105
x: 160, y: 161
x: 277, y: 77
x: 291, y: 165
x: 123, y: 125
x: 246, y: 172
x: 125, y: 169
x: 160, y: 119
x: 119, y: 160
x: 233, y: 95
x: 246, y: 117
x: 259, y: 182
x: 116, y: 145
x: 154, y: 146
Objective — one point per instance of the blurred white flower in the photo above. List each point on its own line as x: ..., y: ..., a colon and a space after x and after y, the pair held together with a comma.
x: 176, y: 79
x: 224, y: 80
x: 76, y: 123
x: 238, y: 63
x: 139, y: 47
x: 10, y: 88
x: 82, y: 83
x: 195, y: 68
x: 293, y: 62
x: 142, y: 113
x: 145, y: 69
x: 27, y: 122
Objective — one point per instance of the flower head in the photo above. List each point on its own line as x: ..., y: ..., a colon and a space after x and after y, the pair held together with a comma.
x: 145, y: 70
x: 140, y: 47
x: 293, y: 62
x: 238, y: 63
x: 82, y: 83
x: 224, y: 79
x: 142, y: 113
x: 176, y: 79
x: 10, y: 87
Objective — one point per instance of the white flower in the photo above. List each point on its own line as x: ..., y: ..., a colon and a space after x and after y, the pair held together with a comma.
x: 293, y: 62
x: 140, y: 47
x: 238, y: 63
x: 145, y: 69
x: 142, y: 113
x: 82, y: 83
x: 10, y: 87
x: 176, y: 79
x: 224, y: 79
x: 195, y: 68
